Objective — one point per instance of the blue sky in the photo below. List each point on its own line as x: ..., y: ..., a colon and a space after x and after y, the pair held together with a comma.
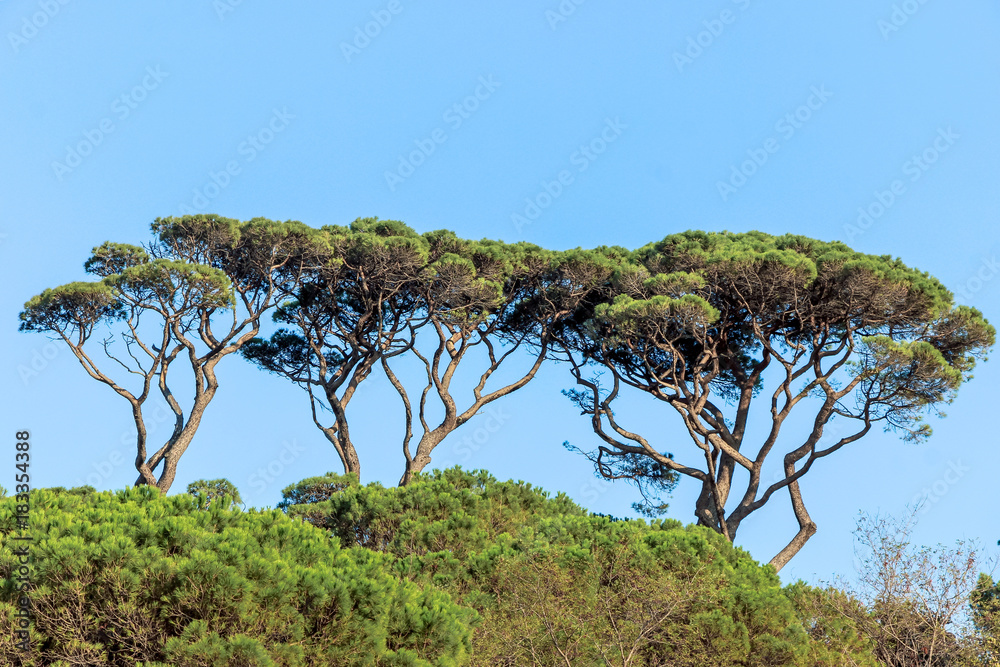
x: 572, y: 124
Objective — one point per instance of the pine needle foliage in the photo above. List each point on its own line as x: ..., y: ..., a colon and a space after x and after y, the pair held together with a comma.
x: 556, y: 585
x: 132, y: 578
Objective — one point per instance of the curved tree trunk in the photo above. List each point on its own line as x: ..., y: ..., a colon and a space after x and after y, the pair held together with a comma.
x: 423, y: 456
x: 345, y: 450
x: 806, y: 529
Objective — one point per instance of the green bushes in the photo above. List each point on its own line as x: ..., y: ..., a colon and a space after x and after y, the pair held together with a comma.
x: 214, y: 489
x: 986, y: 617
x: 130, y: 577
x: 555, y: 585
x: 454, y: 569
x: 827, y: 616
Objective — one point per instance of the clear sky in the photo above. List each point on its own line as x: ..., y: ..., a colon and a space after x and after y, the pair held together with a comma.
x: 658, y: 117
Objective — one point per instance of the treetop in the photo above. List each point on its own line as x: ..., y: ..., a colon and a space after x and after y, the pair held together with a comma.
x: 110, y: 258
x: 805, y: 258
x: 197, y: 285
x: 76, y: 305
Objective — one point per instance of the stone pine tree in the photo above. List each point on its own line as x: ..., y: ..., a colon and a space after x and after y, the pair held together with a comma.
x: 724, y: 328
x: 185, y: 302
x: 384, y: 296
x: 356, y: 306
x: 468, y: 294
x: 488, y: 304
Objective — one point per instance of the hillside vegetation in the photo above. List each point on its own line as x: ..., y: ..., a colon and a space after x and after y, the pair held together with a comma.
x: 455, y: 568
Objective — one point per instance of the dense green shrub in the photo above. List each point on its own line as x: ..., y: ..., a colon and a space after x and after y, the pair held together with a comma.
x: 213, y: 489
x: 454, y: 569
x: 449, y: 510
x: 828, y: 614
x: 131, y: 577
x: 985, y: 601
x: 556, y: 585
